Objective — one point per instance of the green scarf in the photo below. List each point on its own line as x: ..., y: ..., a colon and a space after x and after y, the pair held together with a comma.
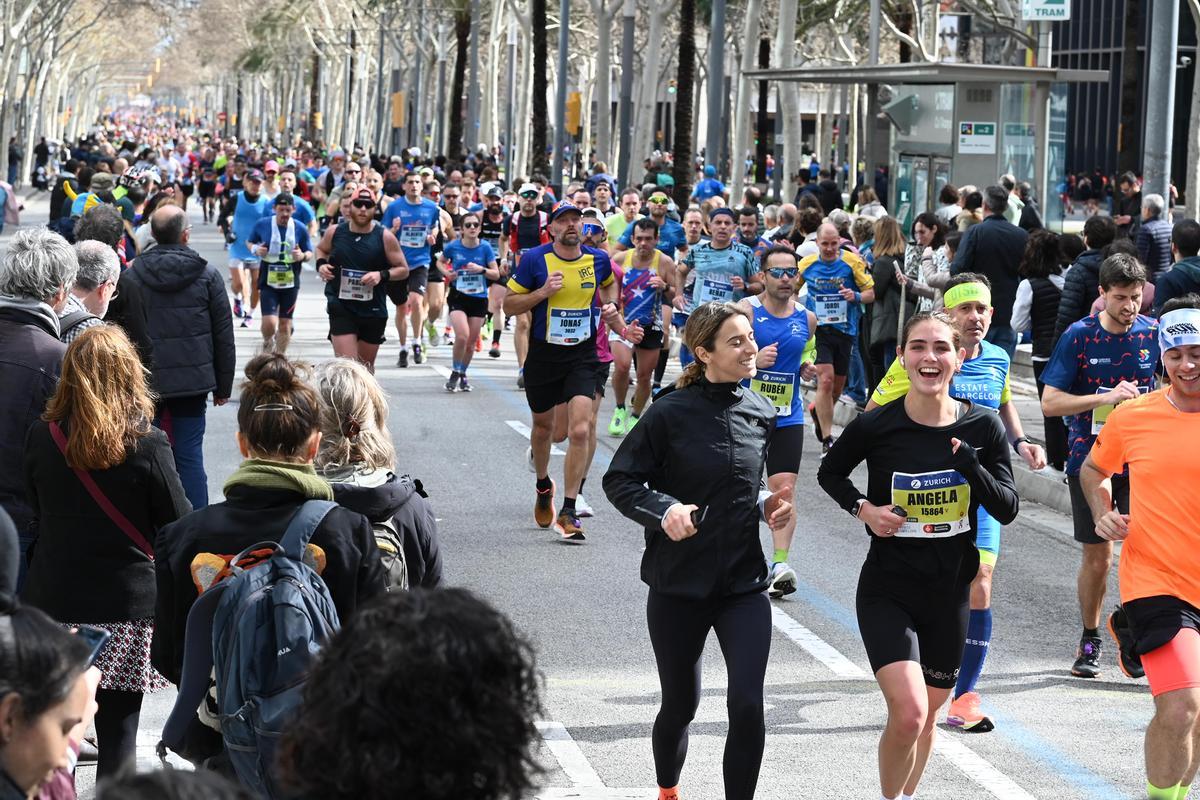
x: 261, y: 474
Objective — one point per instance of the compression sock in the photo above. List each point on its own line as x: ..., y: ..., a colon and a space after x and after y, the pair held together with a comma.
x: 568, y: 506
x: 1092, y: 633
x: 488, y: 318
x: 781, y: 554
x: 1169, y: 793
x: 661, y: 367
x: 496, y: 335
x: 543, y: 484
x: 1183, y: 791
x: 979, y: 636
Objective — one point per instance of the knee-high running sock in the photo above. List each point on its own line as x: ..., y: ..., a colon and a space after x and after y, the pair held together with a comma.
x: 661, y: 367
x: 979, y: 637
x: 496, y: 335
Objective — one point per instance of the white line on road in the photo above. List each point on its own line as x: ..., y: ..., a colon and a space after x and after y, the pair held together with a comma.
x: 523, y: 429
x: 568, y: 755
x: 963, y: 758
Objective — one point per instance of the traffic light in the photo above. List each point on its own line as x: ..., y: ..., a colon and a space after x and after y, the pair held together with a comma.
x: 574, y: 112
x: 672, y: 86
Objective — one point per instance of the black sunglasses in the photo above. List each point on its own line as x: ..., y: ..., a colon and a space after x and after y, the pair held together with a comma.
x: 363, y: 204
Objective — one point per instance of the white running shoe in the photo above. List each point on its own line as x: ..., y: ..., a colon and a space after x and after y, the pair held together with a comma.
x: 782, y: 580
x: 582, y: 509
x: 529, y: 459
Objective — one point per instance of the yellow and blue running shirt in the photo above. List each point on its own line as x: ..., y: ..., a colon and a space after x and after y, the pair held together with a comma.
x: 565, y: 318
x: 825, y: 280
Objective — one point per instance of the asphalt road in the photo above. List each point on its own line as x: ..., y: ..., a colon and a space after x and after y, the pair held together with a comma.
x: 583, y: 607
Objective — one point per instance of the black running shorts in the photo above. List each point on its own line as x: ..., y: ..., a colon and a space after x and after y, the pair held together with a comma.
x: 834, y: 347
x: 556, y: 373
x: 784, y: 450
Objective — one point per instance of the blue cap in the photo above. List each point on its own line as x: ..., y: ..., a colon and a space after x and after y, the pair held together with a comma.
x: 710, y: 171
x: 564, y: 207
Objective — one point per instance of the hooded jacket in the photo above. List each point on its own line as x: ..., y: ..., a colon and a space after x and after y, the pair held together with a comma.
x: 401, y: 500
x: 173, y: 305
x: 1081, y: 287
x: 1181, y: 279
x: 30, y: 362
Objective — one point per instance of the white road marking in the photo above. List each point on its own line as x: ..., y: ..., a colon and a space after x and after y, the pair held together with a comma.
x: 568, y: 755
x: 523, y: 429
x: 967, y: 761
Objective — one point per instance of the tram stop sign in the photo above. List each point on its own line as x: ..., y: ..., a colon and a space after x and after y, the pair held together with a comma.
x: 1045, y: 10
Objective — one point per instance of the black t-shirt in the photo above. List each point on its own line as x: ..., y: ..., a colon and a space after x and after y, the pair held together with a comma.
x: 529, y: 230
x: 493, y: 227
x: 393, y: 188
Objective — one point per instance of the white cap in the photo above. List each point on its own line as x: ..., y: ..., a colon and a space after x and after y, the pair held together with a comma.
x: 527, y: 187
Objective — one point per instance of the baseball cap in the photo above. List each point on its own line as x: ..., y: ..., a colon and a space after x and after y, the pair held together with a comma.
x: 527, y: 187
x: 363, y: 193
x: 254, y: 175
x: 284, y: 199
x: 492, y: 190
x: 271, y: 166
x: 564, y: 207
x: 1178, y: 328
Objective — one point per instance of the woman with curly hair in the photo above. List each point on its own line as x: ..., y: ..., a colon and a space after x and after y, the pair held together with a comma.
x: 102, y: 483
x: 422, y: 694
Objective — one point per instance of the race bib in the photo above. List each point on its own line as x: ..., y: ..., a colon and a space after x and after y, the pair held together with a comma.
x: 714, y: 290
x: 412, y: 235
x: 831, y: 309
x: 1100, y: 413
x: 351, y: 286
x: 936, y: 504
x: 281, y: 276
x: 778, y: 387
x: 471, y: 283
x: 568, y: 325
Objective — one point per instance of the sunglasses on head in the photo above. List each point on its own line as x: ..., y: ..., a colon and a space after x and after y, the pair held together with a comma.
x: 659, y: 201
x: 783, y: 272
x: 363, y: 204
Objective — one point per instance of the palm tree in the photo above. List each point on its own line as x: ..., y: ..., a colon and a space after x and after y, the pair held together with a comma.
x: 538, y: 163
x: 462, y: 38
x: 685, y: 82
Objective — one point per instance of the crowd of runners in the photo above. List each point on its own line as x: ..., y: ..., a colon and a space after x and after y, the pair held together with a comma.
x: 600, y: 287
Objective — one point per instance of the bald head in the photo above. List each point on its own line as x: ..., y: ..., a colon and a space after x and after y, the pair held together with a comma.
x: 168, y: 224
x: 828, y: 241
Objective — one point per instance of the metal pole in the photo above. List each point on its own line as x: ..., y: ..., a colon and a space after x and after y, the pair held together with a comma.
x: 716, y: 87
x: 512, y: 101
x: 869, y: 129
x: 560, y: 100
x: 394, y: 137
x: 471, y: 135
x: 443, y: 127
x: 418, y: 121
x: 380, y: 138
x: 1160, y: 105
x: 628, y: 12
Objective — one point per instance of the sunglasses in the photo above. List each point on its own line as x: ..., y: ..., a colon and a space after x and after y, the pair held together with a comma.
x: 783, y: 272
x: 363, y: 204
x: 353, y: 171
x: 592, y: 230
x: 470, y: 225
x: 530, y: 195
x: 659, y: 201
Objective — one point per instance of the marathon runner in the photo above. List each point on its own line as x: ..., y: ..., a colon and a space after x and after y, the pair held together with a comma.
x: 982, y: 379
x: 525, y: 229
x: 782, y: 331
x: 1101, y: 361
x: 241, y: 212
x: 719, y: 270
x: 358, y: 258
x: 838, y: 284
x: 303, y: 213
x: 932, y: 462
x: 282, y: 247
x: 748, y: 231
x: 414, y: 220
x: 468, y: 264
x: 648, y: 276
x: 208, y: 190
x: 629, y: 213
x: 1158, y: 621
x: 494, y: 215
x: 557, y: 285
x: 671, y: 238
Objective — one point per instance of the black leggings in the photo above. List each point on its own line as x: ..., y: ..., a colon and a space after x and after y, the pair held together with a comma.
x: 116, y: 729
x: 678, y: 630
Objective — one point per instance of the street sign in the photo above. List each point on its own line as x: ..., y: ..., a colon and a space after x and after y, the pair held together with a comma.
x: 976, y: 138
x: 1045, y: 10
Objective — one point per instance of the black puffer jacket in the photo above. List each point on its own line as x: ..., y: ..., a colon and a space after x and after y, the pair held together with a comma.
x: 705, y: 445
x: 174, y: 308
x: 1081, y: 287
x: 401, y: 500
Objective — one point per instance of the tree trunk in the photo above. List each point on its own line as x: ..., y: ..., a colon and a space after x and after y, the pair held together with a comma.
x: 462, y: 36
x: 741, y: 115
x: 604, y: 23
x: 1191, y: 185
x: 685, y: 83
x: 787, y: 97
x: 647, y: 96
x: 540, y: 116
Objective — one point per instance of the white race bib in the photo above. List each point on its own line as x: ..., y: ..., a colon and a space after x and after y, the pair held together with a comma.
x: 831, y: 309
x: 412, y: 235
x: 713, y: 290
x: 567, y: 326
x: 471, y: 283
x: 351, y: 286
x: 936, y: 504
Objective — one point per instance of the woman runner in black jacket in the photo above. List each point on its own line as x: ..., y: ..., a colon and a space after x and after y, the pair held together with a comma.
x: 932, y: 461
x: 691, y: 473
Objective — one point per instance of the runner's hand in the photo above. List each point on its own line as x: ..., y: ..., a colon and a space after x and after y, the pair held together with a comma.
x: 220, y: 401
x: 554, y: 282
x: 767, y: 356
x: 326, y: 272
x: 608, y: 313
x: 395, y: 224
x: 846, y: 293
x: 450, y: 274
x: 881, y: 521
x: 778, y: 509
x: 371, y: 279
x: 297, y: 254
x: 473, y: 267
x: 678, y: 302
x: 1113, y: 526
x: 808, y: 371
x: 634, y: 332
x: 260, y: 250
x: 1125, y: 390
x: 737, y: 283
x: 677, y: 522
x: 432, y: 237
x: 656, y: 282
x: 1034, y: 455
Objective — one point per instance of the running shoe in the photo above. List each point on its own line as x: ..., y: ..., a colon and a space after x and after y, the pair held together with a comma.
x: 446, y: 340
x: 521, y: 380
x: 1087, y: 658
x: 655, y: 388
x: 964, y: 713
x: 463, y: 386
x: 402, y: 359
x: 668, y: 794
x: 630, y: 421
x: 543, y: 507
x: 246, y: 319
x: 486, y: 329
x: 479, y: 345
x: 781, y: 580
x: 616, y: 426
x: 431, y: 332
x: 494, y: 352
x: 582, y: 509
x: 418, y: 354
x: 812, y: 414
x: 1129, y: 661
x: 827, y: 445
x: 452, y: 383
x: 568, y: 527
x: 529, y: 459
x: 237, y: 306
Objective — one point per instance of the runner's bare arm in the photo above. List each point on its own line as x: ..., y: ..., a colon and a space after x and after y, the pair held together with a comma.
x: 1096, y: 483
x: 397, y: 265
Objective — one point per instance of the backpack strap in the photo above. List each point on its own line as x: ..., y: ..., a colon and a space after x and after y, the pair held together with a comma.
x: 305, y: 522
x: 197, y: 668
x: 70, y: 321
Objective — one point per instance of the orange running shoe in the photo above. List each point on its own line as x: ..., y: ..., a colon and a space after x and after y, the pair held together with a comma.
x: 668, y: 794
x: 964, y: 713
x: 543, y: 508
x: 479, y: 345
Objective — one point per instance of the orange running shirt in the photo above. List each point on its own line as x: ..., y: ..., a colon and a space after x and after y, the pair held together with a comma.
x: 1161, y: 556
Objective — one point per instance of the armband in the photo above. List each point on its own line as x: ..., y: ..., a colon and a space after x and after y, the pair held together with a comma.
x: 385, y: 275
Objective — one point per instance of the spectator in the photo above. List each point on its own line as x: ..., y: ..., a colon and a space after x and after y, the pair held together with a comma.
x: 926, y: 265
x: 428, y: 694
x: 804, y: 186
x: 828, y: 192
x: 1016, y: 205
x: 804, y: 236
x: 1154, y: 237
x: 1082, y: 284
x: 869, y: 205
x: 972, y: 211
x: 1127, y: 205
x: 171, y: 784
x: 950, y: 208
x: 886, y: 314
x: 95, y: 286
x: 862, y: 232
x: 101, y: 223
x: 36, y: 277
x: 173, y: 305
x: 66, y: 178
x: 278, y: 435
x: 358, y: 459
x: 786, y: 221
x: 1070, y: 247
x: 102, y: 409
x: 47, y: 697
x: 994, y: 248
x: 9, y: 557
x: 1184, y: 277
x: 1031, y: 215
x: 709, y: 187
x: 1036, y: 310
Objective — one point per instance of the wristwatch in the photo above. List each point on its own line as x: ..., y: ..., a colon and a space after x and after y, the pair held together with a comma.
x: 1016, y: 445
x: 858, y: 504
